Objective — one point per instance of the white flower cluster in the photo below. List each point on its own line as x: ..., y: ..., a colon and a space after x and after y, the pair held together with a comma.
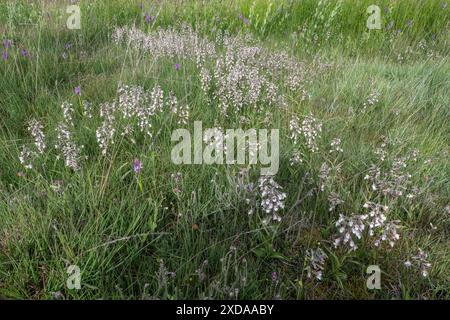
x: 265, y: 194
x: 240, y: 79
x: 183, y: 114
x: 181, y: 111
x: 244, y: 75
x: 68, y: 111
x: 215, y: 139
x: 136, y: 103
x: 350, y: 230
x: 377, y: 213
x: 35, y: 128
x: 375, y: 221
x: 156, y: 100
x: 130, y: 100
x: 137, y: 108
x: 71, y: 153
x: 372, y: 100
x: 272, y: 197
x: 28, y: 155
x: 334, y: 200
x: 205, y: 81
x: 315, y: 263
x: 336, y: 146
x: 421, y: 262
x: 394, y: 182
x: 170, y: 43
x: 378, y: 225
x: 324, y: 173
x: 310, y: 129
x: 296, y: 158
x: 388, y: 232
x: 105, y: 133
x: 295, y: 129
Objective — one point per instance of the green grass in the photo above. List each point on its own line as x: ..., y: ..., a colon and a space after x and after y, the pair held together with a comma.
x: 124, y: 231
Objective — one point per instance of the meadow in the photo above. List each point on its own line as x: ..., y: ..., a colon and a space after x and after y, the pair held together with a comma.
x: 87, y: 182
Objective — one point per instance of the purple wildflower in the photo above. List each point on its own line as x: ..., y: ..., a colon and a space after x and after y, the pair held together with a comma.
x: 5, y: 55
x: 24, y: 52
x: 177, y: 66
x: 274, y: 276
x: 147, y: 17
x: 77, y: 90
x: 7, y: 43
x: 137, y: 166
x: 246, y: 21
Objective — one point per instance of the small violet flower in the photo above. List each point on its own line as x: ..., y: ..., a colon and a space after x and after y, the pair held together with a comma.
x: 7, y: 43
x: 137, y: 166
x: 274, y: 276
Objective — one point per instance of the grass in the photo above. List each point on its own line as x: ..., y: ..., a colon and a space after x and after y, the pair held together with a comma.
x: 128, y: 232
